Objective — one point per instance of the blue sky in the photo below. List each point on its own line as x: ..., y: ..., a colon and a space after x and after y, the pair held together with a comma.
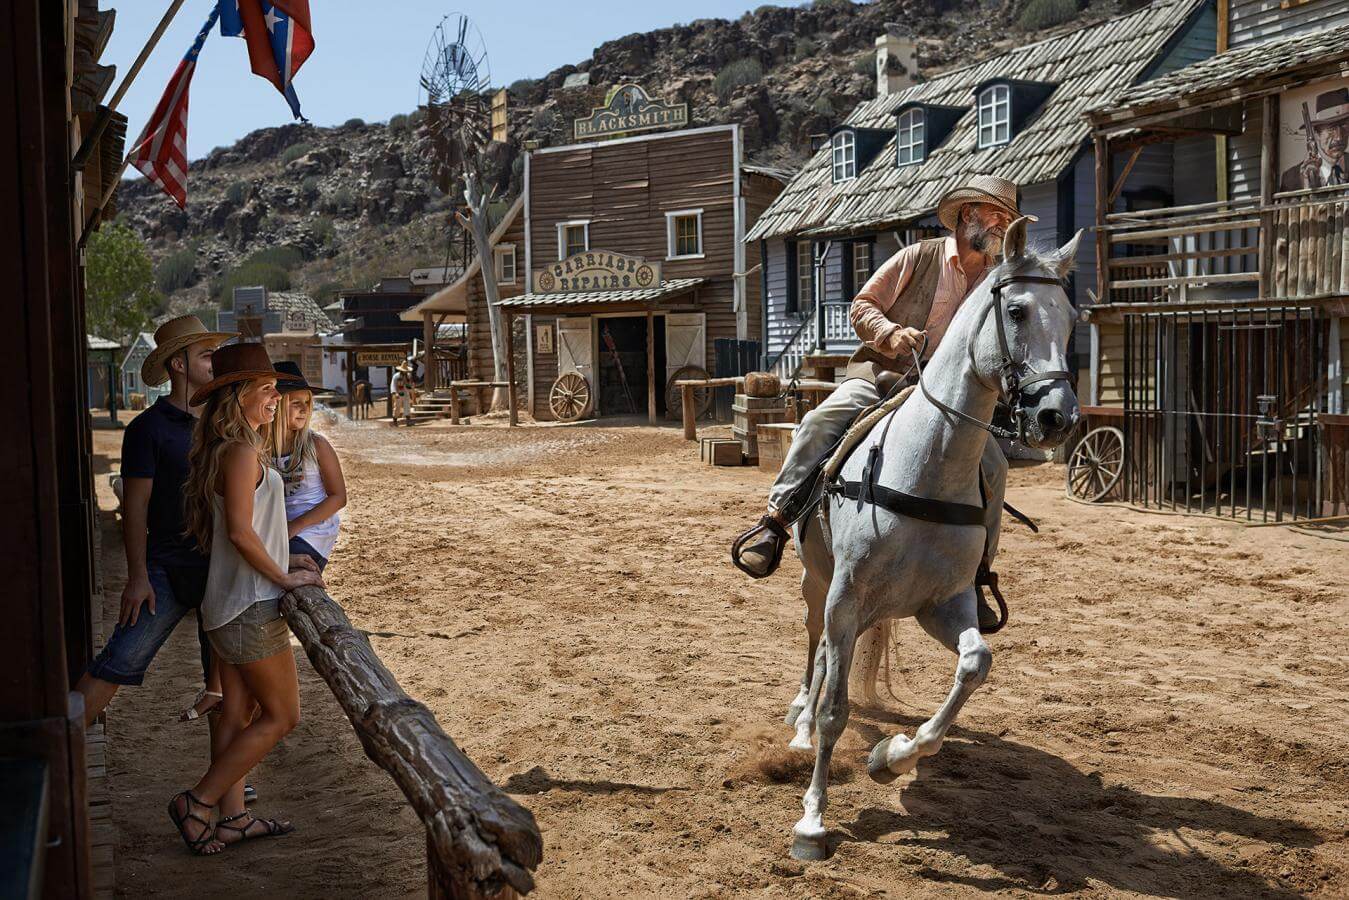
x: 367, y: 56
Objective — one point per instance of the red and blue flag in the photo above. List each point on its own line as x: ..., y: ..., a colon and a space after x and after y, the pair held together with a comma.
x: 278, y: 36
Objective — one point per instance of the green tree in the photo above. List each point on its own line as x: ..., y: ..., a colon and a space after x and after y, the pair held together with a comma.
x: 120, y: 294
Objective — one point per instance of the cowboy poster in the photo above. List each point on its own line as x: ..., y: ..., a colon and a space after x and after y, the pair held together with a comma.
x: 1313, y: 136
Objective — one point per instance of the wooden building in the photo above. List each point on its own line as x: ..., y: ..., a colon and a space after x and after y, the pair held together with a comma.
x: 1219, y: 341
x: 50, y: 96
x: 625, y: 258
x: 873, y: 186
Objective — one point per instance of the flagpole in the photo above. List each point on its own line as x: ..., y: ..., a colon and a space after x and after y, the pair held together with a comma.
x: 105, y: 113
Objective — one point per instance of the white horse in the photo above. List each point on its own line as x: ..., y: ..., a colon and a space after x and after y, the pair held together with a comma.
x: 1009, y: 337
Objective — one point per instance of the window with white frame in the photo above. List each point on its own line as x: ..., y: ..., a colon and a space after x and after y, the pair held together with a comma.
x: 861, y: 264
x: 572, y: 237
x: 844, y: 148
x: 995, y: 115
x: 505, y: 264
x: 684, y: 234
x: 805, y: 274
x: 909, y: 138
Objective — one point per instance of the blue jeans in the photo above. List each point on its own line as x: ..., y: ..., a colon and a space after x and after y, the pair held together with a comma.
x: 128, y: 653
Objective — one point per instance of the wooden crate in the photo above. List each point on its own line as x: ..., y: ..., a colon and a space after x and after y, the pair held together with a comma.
x: 775, y: 439
x: 722, y: 452
x: 750, y: 414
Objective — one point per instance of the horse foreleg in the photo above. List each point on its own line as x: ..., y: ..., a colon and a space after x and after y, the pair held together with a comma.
x: 813, y: 594
x: 809, y: 835
x: 955, y: 624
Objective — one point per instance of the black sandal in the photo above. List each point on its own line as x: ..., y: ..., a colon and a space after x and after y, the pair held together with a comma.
x: 199, y: 844
x: 271, y: 828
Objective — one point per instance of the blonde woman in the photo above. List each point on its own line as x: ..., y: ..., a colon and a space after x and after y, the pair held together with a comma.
x: 234, y: 505
x: 316, y: 492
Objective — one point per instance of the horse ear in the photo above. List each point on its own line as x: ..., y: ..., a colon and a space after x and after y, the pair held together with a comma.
x: 1065, y: 258
x: 1014, y: 242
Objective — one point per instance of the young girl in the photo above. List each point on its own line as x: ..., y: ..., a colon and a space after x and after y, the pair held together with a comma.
x: 315, y: 489
x: 235, y: 507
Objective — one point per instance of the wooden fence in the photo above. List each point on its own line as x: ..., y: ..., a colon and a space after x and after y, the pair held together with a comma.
x: 480, y: 842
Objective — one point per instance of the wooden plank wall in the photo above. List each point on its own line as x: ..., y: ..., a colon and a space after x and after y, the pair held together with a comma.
x: 479, y: 330
x: 1254, y: 21
x: 1110, y: 374
x: 759, y: 191
x: 545, y: 369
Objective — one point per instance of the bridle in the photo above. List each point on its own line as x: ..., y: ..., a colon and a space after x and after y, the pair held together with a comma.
x: 1013, y: 383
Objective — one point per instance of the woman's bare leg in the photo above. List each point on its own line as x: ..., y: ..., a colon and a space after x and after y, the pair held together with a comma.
x: 236, y: 710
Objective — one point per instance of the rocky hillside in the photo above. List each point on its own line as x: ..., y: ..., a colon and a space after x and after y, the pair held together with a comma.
x: 319, y: 209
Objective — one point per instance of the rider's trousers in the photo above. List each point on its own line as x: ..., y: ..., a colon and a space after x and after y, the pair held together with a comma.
x: 820, y: 430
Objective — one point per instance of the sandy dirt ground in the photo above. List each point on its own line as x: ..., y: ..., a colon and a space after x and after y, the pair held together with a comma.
x: 1166, y: 714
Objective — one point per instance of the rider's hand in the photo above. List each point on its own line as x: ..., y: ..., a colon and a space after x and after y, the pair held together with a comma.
x: 901, y: 342
x: 136, y: 593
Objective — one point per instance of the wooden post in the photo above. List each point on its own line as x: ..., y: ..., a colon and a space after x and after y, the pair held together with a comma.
x: 429, y: 373
x: 388, y: 399
x: 690, y: 412
x: 454, y: 404
x: 650, y: 367
x: 1102, y: 208
x: 351, y: 385
x: 510, y: 367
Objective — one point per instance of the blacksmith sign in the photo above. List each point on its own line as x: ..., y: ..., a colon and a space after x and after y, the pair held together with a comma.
x: 627, y: 109
x: 597, y: 270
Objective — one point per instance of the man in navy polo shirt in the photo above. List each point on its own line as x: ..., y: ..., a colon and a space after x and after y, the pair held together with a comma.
x: 166, y: 573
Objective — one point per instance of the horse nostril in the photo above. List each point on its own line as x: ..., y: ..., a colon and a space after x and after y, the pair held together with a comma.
x: 1051, y: 421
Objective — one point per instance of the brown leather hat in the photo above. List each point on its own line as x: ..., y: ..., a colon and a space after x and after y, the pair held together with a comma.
x: 234, y: 363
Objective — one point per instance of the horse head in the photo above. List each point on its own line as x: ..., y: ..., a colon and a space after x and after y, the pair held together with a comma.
x: 1022, y: 340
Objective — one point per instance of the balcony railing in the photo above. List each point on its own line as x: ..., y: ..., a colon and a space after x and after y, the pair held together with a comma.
x: 1295, y: 247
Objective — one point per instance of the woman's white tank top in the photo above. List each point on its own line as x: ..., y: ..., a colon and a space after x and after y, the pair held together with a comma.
x: 304, y: 491
x: 232, y: 585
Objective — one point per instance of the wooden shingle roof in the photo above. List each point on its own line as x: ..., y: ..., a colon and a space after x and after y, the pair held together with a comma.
x: 1233, y: 75
x: 1089, y: 65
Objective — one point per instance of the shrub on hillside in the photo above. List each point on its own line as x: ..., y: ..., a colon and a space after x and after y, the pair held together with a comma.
x: 864, y: 64
x: 177, y: 270
x: 822, y: 106
x: 327, y: 292
x: 355, y: 122
x: 398, y: 123
x: 294, y: 152
x: 237, y: 192
x: 284, y: 256
x: 323, y: 230
x: 309, y: 188
x: 805, y: 49
x: 522, y: 86
x: 342, y: 200
x: 747, y: 70
x: 1039, y: 14
x: 546, y: 120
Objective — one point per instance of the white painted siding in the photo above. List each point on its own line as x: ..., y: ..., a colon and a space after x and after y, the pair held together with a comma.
x: 1243, y: 157
x: 1042, y: 200
x: 1196, y: 171
x: 833, y: 271
x: 1253, y: 21
x: 780, y: 325
x: 1199, y: 42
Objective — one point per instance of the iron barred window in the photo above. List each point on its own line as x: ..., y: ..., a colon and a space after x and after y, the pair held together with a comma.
x: 844, y: 150
x: 910, y: 137
x: 995, y: 116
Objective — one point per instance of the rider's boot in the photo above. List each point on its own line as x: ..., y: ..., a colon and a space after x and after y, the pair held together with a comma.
x: 758, y: 552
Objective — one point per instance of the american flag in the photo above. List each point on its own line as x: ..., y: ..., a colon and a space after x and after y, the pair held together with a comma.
x: 161, y: 150
x: 278, y: 36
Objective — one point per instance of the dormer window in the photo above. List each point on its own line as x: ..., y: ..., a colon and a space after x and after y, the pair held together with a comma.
x: 995, y: 116
x: 843, y: 148
x: 909, y: 141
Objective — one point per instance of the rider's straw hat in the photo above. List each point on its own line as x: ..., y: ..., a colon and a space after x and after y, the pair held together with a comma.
x: 172, y: 337
x: 988, y: 189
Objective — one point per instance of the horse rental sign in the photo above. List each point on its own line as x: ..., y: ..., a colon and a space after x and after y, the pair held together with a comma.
x: 597, y: 270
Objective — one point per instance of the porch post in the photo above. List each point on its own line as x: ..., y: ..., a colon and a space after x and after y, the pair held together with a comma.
x: 650, y: 367
x: 510, y: 367
x: 351, y: 385
x: 429, y: 342
x: 1102, y: 207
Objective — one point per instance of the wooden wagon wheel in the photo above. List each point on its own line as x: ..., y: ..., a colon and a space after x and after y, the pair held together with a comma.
x: 1096, y: 464
x: 674, y: 394
x: 569, y: 397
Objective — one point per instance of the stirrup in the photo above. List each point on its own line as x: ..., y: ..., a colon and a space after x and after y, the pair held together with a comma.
x: 767, y: 523
x: 988, y: 578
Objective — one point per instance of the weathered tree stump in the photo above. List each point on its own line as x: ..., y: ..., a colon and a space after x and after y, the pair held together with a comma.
x: 481, y: 843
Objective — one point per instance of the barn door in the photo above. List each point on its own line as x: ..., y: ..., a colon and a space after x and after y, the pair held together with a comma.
x: 685, y: 342
x: 574, y: 348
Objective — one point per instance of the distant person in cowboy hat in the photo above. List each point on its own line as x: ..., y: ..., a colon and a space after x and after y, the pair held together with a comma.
x: 401, y: 387
x: 1325, y: 164
x: 234, y: 504
x: 166, y: 572
x: 913, y: 295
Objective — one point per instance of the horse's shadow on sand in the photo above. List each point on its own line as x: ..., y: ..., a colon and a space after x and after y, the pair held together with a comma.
x: 1048, y: 828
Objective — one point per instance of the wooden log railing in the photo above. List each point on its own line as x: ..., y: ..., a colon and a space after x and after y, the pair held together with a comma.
x: 480, y: 842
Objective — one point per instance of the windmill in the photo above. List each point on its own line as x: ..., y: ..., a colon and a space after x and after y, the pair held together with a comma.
x: 453, y: 88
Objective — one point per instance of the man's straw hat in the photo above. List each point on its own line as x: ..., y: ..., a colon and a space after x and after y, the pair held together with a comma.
x: 979, y: 189
x: 173, y: 336
x: 235, y: 363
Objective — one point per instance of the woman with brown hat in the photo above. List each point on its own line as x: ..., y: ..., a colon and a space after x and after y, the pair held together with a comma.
x: 235, y: 506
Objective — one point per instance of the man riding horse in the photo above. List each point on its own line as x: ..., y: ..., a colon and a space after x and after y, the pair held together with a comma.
x: 913, y: 296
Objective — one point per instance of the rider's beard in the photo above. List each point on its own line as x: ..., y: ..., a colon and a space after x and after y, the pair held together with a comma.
x: 982, y: 238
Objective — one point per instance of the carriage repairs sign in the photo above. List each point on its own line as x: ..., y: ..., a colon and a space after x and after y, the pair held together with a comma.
x: 597, y: 270
x: 628, y: 109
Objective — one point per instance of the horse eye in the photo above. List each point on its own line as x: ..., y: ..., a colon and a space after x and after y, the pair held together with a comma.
x: 1017, y: 313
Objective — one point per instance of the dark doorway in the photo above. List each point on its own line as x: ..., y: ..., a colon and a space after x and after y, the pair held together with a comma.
x: 622, y: 368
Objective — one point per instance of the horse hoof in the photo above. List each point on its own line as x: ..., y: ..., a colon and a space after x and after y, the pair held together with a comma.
x: 877, y: 767
x: 810, y: 848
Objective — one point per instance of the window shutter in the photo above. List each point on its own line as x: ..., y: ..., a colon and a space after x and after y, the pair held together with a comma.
x: 793, y: 301
x: 849, y: 261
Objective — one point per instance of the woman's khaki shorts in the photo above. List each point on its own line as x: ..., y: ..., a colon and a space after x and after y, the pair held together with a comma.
x: 256, y: 633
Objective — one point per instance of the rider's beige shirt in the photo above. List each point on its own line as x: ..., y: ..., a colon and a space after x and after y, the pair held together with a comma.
x: 871, y: 310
